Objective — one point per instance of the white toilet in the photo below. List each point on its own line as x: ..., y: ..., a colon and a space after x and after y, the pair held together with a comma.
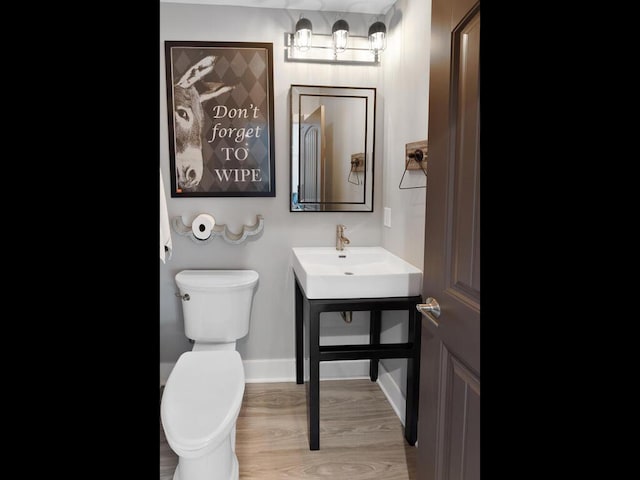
x: 203, y: 394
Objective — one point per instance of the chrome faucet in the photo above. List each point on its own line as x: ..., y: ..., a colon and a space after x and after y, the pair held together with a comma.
x: 341, y: 240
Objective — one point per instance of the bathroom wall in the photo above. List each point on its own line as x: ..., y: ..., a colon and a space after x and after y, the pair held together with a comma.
x: 406, y: 87
x: 402, y: 89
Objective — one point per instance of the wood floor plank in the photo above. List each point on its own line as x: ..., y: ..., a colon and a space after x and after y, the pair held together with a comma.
x: 361, y: 438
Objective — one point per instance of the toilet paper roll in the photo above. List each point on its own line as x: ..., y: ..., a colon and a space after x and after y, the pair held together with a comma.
x: 202, y: 226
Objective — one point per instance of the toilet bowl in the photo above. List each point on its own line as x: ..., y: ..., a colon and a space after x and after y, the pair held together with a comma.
x: 200, y: 405
x: 203, y: 394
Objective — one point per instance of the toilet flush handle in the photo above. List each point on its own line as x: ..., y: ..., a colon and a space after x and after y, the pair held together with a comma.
x: 184, y: 297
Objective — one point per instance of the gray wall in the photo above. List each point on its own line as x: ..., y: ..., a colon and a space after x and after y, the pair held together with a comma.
x: 406, y: 87
x: 402, y: 89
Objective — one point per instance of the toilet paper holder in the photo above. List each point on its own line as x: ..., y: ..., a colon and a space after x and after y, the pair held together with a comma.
x: 220, y: 230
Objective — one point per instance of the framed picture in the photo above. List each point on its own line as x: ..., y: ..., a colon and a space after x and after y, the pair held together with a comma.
x: 220, y: 112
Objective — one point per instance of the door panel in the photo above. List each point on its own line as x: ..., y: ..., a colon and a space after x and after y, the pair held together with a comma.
x: 466, y: 212
x: 449, y: 415
x: 460, y: 399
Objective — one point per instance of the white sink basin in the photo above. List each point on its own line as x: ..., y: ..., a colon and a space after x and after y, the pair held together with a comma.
x: 355, y: 272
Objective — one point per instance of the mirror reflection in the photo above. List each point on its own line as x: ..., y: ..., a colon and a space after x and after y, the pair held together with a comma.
x: 332, y: 148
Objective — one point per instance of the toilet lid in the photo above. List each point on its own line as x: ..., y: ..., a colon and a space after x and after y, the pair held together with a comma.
x: 202, y: 397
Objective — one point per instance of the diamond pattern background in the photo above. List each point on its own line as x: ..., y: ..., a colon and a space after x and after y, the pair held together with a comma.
x: 246, y: 69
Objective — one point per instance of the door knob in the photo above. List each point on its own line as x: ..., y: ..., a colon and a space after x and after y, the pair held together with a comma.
x: 431, y: 306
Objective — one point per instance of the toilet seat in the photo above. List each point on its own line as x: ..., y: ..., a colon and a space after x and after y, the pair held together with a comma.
x: 201, y: 400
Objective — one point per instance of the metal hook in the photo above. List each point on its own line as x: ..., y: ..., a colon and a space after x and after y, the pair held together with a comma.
x: 418, y: 155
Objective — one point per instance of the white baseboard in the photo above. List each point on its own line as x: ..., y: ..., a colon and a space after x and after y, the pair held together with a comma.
x: 284, y: 370
x: 392, y: 391
x: 269, y: 371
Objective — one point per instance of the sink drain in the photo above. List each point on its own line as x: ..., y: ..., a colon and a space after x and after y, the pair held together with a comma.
x: 348, y: 273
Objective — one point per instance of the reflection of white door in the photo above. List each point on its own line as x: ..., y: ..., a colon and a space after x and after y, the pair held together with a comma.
x: 310, y: 163
x: 311, y: 157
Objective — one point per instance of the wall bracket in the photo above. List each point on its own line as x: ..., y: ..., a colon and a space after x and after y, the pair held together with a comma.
x: 220, y: 230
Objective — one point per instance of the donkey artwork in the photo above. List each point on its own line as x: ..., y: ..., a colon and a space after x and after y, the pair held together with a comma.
x: 189, y: 93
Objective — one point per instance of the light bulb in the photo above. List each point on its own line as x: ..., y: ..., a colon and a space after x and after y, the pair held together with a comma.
x: 304, y: 33
x: 377, y: 37
x: 340, y: 33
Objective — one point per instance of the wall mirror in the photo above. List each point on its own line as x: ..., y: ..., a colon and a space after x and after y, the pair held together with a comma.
x: 332, y: 148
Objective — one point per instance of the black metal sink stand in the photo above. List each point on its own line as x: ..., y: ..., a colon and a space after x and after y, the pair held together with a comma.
x: 311, y: 309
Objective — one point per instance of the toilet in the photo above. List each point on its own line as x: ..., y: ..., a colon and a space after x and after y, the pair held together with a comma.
x: 203, y: 394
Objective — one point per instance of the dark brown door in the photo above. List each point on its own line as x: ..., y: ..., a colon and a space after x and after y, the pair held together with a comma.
x: 449, y: 415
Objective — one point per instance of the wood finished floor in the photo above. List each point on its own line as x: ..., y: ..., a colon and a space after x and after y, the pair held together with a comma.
x: 361, y: 437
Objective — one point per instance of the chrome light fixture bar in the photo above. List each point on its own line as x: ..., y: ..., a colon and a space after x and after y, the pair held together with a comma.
x: 322, y: 50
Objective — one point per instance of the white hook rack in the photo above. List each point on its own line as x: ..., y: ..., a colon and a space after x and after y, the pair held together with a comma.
x: 220, y: 231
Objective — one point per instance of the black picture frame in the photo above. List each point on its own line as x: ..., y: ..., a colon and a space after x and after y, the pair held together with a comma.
x: 220, y: 118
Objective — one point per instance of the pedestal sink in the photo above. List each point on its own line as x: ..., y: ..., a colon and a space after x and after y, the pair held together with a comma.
x: 355, y: 272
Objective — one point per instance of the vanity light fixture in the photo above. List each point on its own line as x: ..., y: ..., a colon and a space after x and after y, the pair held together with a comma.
x: 304, y: 34
x: 339, y: 47
x: 340, y: 34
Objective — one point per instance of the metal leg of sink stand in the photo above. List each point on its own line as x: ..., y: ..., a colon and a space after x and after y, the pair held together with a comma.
x: 299, y: 320
x: 413, y: 378
x: 374, y: 339
x: 313, y: 401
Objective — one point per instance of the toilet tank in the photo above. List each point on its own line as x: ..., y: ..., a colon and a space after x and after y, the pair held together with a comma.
x: 216, y: 304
